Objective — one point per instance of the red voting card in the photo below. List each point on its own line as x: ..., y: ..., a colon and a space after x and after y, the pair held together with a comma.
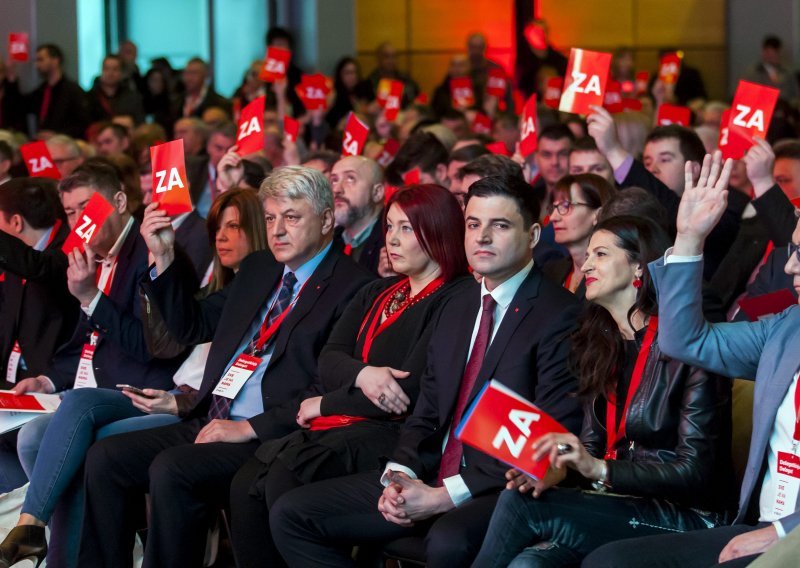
x: 496, y: 82
x: 535, y: 35
x: 388, y: 191
x: 38, y: 160
x: 412, y: 176
x: 642, y: 81
x: 628, y: 88
x: 20, y: 402
x: 552, y: 92
x: 18, y: 46
x: 355, y: 136
x: 382, y: 91
x: 276, y: 62
x: 612, y: 101
x: 170, y: 188
x: 632, y: 104
x: 291, y: 128
x: 751, y: 113
x: 670, y: 67
x: 585, y: 83
x: 504, y: 425
x: 388, y: 153
x: 498, y: 148
x: 764, y: 305
x: 391, y: 103
x: 250, y: 137
x: 422, y: 99
x: 528, y: 141
x: 722, y: 141
x: 461, y: 93
x: 313, y: 91
x: 88, y: 226
x: 482, y: 124
x: 674, y: 114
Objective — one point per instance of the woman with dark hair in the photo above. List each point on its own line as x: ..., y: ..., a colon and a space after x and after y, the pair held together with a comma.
x: 345, y: 78
x: 54, y: 460
x: 653, y: 453
x: 369, y: 371
x: 577, y: 200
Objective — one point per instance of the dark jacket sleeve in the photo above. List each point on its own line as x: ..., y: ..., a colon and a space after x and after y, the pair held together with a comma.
x: 778, y: 214
x: 20, y: 259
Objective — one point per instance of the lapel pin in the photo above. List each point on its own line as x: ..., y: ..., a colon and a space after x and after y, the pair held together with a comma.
x: 516, y: 309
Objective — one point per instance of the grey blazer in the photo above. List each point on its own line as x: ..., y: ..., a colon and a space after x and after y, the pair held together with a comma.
x: 767, y: 351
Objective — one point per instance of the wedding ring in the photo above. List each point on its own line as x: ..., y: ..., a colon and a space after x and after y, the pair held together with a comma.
x: 382, y: 399
x: 563, y: 449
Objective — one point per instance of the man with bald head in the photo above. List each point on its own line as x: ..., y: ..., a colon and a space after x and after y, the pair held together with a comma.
x: 358, y: 189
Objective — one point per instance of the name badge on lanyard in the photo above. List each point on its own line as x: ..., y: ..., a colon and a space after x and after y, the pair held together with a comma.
x: 238, y: 374
x: 13, y: 363
x: 787, y: 478
x: 84, y: 378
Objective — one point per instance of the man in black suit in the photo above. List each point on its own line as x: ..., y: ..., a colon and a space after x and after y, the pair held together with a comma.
x: 274, y: 318
x: 202, y: 170
x: 357, y: 184
x: 198, y: 94
x: 37, y: 314
x: 432, y: 484
x: 191, y: 235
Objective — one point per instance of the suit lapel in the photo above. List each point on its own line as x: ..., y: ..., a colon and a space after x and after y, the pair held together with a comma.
x: 124, y: 262
x: 452, y: 374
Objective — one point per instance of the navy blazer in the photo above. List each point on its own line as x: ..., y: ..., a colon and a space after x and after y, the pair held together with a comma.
x: 765, y: 351
x: 121, y: 355
x: 192, y: 237
x: 528, y: 355
x: 41, y: 314
x: 226, y: 316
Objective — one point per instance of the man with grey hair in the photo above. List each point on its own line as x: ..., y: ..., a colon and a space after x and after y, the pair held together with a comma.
x: 358, y: 191
x: 65, y: 152
x: 267, y: 329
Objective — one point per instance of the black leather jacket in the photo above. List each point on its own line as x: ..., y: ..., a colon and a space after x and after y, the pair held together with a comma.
x: 678, y: 437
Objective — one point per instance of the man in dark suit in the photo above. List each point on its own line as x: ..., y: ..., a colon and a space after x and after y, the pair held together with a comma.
x: 198, y: 95
x: 192, y: 237
x: 357, y: 184
x: 274, y: 318
x: 202, y: 170
x: 512, y: 327
x: 37, y: 314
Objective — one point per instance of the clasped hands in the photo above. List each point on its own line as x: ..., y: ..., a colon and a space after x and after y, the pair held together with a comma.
x: 405, y: 501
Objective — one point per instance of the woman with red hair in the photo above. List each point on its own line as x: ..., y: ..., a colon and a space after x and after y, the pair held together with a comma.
x: 369, y: 371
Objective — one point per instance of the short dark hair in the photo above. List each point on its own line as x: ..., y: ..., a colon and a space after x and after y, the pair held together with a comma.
x: 595, y: 189
x: 635, y: 202
x: 197, y: 60
x: 98, y: 174
x: 226, y: 128
x: 493, y: 165
x: 689, y: 142
x: 468, y: 153
x: 772, y: 42
x: 556, y: 132
x: 584, y: 144
x: 118, y: 130
x: 113, y: 56
x: 34, y: 199
x: 329, y: 157
x: 787, y: 149
x: 6, y: 151
x: 422, y: 150
x: 511, y: 187
x: 453, y: 114
x: 277, y: 32
x: 52, y: 50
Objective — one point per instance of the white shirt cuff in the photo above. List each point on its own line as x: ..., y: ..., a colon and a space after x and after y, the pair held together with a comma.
x: 779, y: 529
x: 52, y: 384
x: 458, y: 490
x: 670, y: 258
x: 89, y: 310
x: 394, y: 466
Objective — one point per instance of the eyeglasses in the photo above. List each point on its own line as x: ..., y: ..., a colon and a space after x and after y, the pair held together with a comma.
x: 793, y: 249
x: 565, y: 207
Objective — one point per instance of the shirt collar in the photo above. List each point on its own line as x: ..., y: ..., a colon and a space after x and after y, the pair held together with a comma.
x: 178, y: 220
x: 359, y: 239
x: 506, y: 291
x: 121, y: 239
x: 304, y: 272
x: 45, y: 238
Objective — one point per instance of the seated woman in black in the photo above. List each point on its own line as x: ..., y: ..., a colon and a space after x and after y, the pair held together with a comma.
x: 654, y: 444
x: 369, y: 370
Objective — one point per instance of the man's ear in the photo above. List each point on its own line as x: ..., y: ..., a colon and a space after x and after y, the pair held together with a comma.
x: 378, y: 193
x: 327, y: 221
x: 121, y: 202
x: 17, y: 223
x: 441, y: 175
x: 535, y: 232
x: 596, y: 216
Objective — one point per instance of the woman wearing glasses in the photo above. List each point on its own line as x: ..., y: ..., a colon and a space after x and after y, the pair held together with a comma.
x: 577, y: 200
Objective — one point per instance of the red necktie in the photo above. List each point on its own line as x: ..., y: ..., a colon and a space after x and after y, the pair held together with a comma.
x: 48, y: 94
x: 348, y: 250
x: 451, y: 458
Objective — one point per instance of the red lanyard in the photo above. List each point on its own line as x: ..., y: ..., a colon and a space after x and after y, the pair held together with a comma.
x: 372, y: 321
x: 53, y: 232
x: 268, y: 331
x: 106, y: 289
x: 613, y: 434
x: 348, y: 250
x: 568, y: 279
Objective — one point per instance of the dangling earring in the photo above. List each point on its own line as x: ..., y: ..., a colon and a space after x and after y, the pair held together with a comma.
x: 637, y: 282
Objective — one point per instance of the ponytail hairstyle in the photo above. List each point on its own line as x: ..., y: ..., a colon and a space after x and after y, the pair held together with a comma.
x: 597, y: 347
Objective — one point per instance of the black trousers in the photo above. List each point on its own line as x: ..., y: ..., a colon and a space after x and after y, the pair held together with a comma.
x: 317, y: 524
x: 187, y: 482
x: 694, y: 549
